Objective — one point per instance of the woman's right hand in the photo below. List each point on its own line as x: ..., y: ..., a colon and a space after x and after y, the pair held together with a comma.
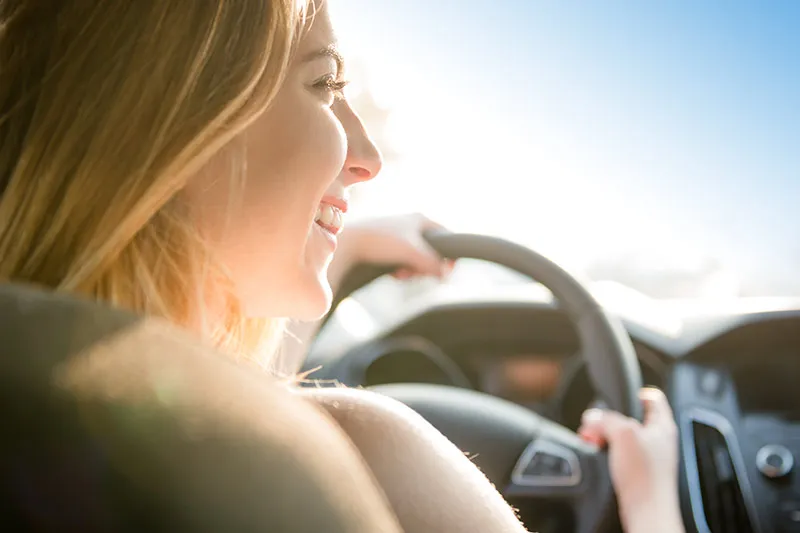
x: 643, y: 459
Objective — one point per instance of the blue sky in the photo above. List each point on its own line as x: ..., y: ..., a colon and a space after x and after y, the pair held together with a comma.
x: 590, y: 128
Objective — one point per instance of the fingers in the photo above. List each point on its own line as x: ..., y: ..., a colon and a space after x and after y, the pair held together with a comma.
x: 606, y: 427
x: 602, y: 427
x: 417, y: 256
x: 403, y: 274
x: 447, y: 267
x: 591, y: 429
x: 425, y: 261
x: 657, y: 411
x: 436, y: 268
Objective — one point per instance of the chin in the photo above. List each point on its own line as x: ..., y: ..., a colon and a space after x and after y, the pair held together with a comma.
x: 305, y: 297
x: 309, y: 304
x: 314, y: 306
x: 311, y: 298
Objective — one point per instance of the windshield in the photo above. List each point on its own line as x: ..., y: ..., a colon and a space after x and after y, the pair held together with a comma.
x: 656, y: 145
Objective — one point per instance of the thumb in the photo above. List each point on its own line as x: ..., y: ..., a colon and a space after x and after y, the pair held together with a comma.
x: 656, y: 407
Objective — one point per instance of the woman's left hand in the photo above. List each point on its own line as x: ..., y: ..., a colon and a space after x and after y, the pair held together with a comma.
x: 392, y: 240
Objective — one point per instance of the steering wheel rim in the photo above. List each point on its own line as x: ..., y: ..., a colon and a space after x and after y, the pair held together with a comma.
x: 541, y: 458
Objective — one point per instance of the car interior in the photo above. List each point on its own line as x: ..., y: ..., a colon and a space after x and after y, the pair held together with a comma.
x: 505, y: 371
x: 730, y: 378
x: 504, y: 380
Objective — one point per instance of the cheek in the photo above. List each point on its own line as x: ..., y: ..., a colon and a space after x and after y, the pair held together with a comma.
x: 292, y: 158
x: 295, y: 151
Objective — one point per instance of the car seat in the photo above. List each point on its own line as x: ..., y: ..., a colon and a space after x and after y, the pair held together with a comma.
x: 112, y: 422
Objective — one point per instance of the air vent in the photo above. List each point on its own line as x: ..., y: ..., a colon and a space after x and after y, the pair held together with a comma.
x: 723, y: 503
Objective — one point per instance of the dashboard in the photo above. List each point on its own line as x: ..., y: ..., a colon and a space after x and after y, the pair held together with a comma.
x: 554, y: 384
x: 733, y: 380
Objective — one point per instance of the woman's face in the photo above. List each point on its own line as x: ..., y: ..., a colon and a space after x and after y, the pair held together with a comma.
x: 302, y: 155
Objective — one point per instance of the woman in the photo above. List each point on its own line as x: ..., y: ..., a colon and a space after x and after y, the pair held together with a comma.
x: 191, y: 160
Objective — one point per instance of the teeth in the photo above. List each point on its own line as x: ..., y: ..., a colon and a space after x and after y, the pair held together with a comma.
x: 329, y: 215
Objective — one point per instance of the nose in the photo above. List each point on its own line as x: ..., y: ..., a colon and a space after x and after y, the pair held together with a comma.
x: 364, y: 160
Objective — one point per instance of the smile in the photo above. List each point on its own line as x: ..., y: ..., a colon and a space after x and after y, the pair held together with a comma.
x: 330, y: 218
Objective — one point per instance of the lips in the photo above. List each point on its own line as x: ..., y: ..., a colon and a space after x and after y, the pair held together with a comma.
x: 329, y: 217
x: 330, y: 214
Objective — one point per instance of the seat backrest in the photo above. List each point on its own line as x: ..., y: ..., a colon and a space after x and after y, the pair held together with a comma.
x: 114, y: 423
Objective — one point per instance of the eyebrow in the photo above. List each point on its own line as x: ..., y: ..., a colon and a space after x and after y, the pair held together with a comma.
x: 329, y: 51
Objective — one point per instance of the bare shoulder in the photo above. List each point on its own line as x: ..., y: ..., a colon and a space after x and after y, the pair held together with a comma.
x: 381, y: 426
x: 358, y: 406
x: 431, y: 484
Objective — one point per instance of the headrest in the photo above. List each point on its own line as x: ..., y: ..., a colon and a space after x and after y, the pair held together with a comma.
x: 112, y: 422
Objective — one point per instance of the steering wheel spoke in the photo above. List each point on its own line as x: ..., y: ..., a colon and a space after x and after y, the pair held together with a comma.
x: 548, y: 468
x: 559, y: 466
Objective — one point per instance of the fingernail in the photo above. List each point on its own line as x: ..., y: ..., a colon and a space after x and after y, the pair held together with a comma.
x: 650, y: 394
x: 592, y: 415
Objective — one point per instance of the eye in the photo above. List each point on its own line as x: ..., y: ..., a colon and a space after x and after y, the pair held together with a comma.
x: 331, y: 86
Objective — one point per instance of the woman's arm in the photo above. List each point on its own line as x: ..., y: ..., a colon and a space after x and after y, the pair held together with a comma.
x: 431, y: 485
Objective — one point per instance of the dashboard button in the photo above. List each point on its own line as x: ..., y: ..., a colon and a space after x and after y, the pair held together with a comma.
x: 774, y: 461
x: 711, y: 383
x: 789, y: 517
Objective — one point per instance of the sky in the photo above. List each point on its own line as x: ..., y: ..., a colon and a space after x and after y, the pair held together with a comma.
x: 666, y: 132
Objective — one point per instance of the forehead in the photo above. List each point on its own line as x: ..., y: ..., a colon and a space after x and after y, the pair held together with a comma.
x: 319, y: 30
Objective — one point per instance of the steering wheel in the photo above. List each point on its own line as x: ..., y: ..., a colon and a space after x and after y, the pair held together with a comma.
x: 522, y: 453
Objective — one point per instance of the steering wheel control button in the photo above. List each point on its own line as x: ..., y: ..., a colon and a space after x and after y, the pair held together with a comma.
x: 774, y: 461
x: 545, y: 463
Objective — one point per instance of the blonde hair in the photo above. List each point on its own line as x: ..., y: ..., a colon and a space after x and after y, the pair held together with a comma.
x: 107, y: 108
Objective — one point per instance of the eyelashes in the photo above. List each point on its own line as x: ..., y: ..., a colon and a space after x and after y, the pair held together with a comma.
x: 331, y: 85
